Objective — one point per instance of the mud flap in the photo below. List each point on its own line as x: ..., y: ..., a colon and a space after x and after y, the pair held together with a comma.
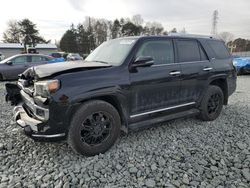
x: 13, y: 94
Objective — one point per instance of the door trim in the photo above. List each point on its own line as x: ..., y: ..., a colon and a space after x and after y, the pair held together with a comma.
x: 162, y: 109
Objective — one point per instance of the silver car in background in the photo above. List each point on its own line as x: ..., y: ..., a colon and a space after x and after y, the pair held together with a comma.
x: 11, y: 67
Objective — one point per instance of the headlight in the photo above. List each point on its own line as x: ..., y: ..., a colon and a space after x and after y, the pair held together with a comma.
x: 44, y: 88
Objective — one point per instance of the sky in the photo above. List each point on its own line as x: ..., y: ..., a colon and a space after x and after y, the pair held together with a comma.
x: 53, y: 17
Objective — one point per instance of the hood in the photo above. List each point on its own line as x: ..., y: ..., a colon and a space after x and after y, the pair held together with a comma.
x: 43, y: 71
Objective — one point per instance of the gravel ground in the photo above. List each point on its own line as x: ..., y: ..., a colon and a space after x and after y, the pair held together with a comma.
x: 182, y: 153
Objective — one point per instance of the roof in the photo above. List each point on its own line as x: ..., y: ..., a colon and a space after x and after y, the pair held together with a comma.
x: 19, y: 46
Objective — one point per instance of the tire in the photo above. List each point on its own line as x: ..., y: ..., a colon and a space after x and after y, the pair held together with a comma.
x: 94, y: 128
x: 211, y: 104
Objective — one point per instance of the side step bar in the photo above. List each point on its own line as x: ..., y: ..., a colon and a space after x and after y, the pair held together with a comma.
x: 151, y: 122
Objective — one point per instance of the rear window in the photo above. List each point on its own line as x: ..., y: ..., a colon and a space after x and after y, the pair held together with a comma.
x: 219, y: 49
x: 188, y: 50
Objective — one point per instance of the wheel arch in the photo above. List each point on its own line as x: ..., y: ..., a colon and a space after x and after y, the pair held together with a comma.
x: 111, y: 99
x: 222, y: 83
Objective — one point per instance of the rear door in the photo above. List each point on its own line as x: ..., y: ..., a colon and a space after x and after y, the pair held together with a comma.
x: 155, y: 88
x: 195, y: 69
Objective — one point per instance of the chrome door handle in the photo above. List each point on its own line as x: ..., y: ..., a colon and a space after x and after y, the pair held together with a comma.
x: 174, y: 73
x: 208, y: 69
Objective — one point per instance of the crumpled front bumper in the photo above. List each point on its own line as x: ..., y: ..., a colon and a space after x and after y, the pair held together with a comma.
x: 31, y: 117
x: 32, y: 127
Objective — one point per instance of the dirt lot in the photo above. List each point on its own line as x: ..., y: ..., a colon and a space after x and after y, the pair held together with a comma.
x: 181, y: 153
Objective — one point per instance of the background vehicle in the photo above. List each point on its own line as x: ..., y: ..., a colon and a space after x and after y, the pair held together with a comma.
x: 1, y: 56
x: 74, y: 57
x: 242, y: 65
x: 124, y: 84
x: 58, y: 57
x: 11, y: 67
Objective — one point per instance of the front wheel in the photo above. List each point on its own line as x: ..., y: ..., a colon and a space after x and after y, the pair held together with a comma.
x: 212, y: 104
x: 94, y: 128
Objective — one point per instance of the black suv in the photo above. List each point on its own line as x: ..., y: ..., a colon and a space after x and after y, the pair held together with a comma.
x: 124, y: 84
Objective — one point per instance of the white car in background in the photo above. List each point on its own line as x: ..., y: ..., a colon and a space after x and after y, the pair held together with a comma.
x: 1, y: 56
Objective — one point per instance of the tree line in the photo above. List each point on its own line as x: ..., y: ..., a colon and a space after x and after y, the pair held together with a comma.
x: 86, y: 36
x: 92, y: 32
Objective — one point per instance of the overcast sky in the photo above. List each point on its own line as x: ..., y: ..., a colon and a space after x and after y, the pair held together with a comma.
x: 53, y: 17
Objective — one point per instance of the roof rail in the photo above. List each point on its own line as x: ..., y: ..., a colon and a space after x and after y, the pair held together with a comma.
x: 190, y: 35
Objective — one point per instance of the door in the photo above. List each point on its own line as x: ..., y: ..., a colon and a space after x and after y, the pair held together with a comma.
x: 156, y: 87
x: 195, y: 69
x: 18, y: 66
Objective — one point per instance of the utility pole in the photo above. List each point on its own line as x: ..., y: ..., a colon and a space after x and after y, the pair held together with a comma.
x: 214, y: 22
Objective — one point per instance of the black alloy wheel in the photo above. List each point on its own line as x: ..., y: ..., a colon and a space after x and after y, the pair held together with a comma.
x: 211, y: 104
x: 96, y: 128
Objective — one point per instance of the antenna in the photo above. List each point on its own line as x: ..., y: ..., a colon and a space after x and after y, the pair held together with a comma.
x: 214, y: 22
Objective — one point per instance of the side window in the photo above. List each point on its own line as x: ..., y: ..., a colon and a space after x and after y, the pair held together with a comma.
x: 219, y: 49
x: 188, y: 50
x: 20, y: 60
x: 161, y: 51
x: 38, y: 59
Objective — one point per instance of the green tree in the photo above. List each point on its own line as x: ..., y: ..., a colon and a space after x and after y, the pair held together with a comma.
x: 130, y: 29
x: 174, y: 30
x: 115, y: 29
x: 82, y: 40
x: 68, y: 42
x: 29, y: 33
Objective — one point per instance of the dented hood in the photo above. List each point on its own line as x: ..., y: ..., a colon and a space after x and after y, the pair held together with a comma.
x: 42, y: 71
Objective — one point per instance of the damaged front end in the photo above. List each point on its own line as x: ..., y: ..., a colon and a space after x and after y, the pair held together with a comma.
x: 31, y: 111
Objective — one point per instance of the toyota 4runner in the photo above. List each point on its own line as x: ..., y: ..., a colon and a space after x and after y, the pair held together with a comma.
x: 124, y: 84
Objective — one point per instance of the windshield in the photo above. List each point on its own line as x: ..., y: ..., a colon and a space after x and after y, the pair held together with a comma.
x: 112, y: 52
x: 8, y: 59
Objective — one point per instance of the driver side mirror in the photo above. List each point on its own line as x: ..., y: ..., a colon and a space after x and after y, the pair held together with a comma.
x: 143, y: 61
x: 9, y: 63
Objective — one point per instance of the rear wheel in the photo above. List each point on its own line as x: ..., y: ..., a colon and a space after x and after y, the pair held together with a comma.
x: 94, y: 128
x: 212, y: 104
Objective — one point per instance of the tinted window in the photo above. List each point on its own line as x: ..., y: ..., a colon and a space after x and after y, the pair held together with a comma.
x: 19, y: 60
x: 38, y: 59
x: 188, y: 50
x: 56, y: 55
x: 161, y: 51
x: 219, y: 49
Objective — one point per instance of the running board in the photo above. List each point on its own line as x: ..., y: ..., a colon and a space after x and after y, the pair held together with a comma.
x: 151, y: 122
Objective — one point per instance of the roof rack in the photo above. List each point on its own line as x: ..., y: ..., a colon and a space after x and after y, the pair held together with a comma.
x: 190, y: 35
